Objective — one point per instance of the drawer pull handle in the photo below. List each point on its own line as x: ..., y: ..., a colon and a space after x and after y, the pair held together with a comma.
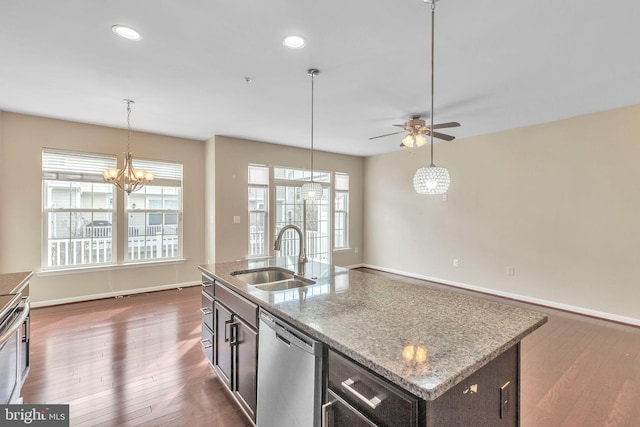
x: 372, y: 403
x: 204, y: 345
x: 206, y: 311
x: 327, y: 414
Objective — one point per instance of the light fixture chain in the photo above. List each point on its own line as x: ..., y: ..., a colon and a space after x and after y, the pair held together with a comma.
x: 129, y: 102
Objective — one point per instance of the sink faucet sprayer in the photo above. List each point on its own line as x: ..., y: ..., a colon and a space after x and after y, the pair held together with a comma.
x: 302, y: 256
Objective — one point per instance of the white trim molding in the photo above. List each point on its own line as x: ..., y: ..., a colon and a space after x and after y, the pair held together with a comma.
x: 115, y: 294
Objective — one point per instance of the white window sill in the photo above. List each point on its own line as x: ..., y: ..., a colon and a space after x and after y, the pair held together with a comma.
x: 339, y: 250
x: 96, y: 268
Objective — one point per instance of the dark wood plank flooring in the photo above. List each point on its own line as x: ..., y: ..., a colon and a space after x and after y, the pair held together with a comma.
x: 136, y: 361
x: 132, y: 361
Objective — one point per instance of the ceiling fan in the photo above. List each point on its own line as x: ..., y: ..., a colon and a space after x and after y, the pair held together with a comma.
x: 417, y: 129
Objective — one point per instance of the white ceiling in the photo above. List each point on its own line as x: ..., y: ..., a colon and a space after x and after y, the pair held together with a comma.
x: 499, y: 65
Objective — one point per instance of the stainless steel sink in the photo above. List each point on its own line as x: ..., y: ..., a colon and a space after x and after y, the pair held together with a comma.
x: 283, y: 286
x: 272, y: 279
x: 263, y: 275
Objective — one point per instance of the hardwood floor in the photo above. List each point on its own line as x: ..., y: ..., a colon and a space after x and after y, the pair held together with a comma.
x: 136, y: 361
x: 132, y: 361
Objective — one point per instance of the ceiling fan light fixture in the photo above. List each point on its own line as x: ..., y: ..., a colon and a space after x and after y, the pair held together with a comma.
x: 412, y: 141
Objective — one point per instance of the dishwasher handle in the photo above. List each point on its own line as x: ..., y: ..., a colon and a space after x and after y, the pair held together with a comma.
x: 290, y: 336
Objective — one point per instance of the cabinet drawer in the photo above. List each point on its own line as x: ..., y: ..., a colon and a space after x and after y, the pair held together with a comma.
x: 239, y: 305
x: 206, y: 308
x: 207, y: 342
x: 376, y: 398
x: 207, y: 285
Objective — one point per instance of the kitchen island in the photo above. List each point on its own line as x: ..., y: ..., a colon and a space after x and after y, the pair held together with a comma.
x: 434, y: 344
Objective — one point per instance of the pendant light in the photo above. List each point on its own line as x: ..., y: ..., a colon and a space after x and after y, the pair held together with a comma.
x: 128, y: 179
x: 312, y: 191
x: 431, y: 179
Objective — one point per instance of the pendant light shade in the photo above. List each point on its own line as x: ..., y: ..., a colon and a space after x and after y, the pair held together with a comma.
x: 312, y: 191
x: 431, y: 179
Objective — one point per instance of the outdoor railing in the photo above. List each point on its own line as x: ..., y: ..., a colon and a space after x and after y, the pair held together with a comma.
x: 98, y: 250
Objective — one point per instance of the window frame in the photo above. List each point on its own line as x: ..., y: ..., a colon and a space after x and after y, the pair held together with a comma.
x: 293, y: 178
x: 80, y: 168
x: 168, y: 175
x: 345, y: 212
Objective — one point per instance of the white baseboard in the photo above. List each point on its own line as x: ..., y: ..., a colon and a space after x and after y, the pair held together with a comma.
x: 517, y: 297
x: 114, y: 294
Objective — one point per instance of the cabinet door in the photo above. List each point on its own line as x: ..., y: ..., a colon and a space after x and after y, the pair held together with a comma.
x: 223, y: 319
x: 338, y: 413
x: 245, y: 341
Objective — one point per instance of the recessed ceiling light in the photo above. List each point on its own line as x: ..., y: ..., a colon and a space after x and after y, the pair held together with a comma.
x: 126, y: 32
x: 294, y: 42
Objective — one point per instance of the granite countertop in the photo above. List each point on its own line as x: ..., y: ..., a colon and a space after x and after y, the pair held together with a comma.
x: 376, y: 320
x: 12, y: 283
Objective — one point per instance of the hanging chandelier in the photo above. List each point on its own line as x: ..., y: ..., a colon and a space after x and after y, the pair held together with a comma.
x: 128, y: 179
x: 431, y: 179
x: 312, y: 191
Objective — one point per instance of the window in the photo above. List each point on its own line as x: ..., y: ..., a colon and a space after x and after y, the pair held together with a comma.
x: 258, y: 205
x: 312, y: 217
x: 341, y: 211
x: 78, y: 210
x: 154, y: 214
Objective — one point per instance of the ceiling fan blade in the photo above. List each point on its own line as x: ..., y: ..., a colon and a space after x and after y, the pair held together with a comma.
x: 446, y: 125
x: 388, y: 134
x: 401, y: 126
x: 442, y: 136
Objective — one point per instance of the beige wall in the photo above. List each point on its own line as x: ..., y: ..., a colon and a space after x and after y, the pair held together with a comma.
x: 232, y: 157
x: 22, y: 139
x: 557, y: 202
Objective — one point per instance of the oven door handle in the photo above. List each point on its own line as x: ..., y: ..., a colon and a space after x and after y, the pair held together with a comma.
x: 16, y: 324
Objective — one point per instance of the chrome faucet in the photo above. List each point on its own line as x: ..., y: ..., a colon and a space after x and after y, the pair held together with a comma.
x: 302, y: 256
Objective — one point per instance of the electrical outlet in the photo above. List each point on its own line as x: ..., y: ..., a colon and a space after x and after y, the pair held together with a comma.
x: 456, y: 263
x: 511, y: 271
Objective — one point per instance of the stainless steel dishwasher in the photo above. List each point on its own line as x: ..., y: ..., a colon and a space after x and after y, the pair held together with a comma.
x: 289, y: 376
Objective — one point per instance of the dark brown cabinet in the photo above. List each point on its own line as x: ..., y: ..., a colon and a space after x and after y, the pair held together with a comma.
x: 222, y: 347
x: 206, y: 310
x: 236, y: 346
x: 245, y: 340
x: 358, y: 397
x: 354, y: 393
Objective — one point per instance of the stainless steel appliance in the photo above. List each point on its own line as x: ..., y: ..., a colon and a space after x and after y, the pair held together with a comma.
x: 14, y: 346
x: 290, y: 375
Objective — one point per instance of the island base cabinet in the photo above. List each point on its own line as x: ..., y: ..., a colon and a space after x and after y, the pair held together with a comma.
x: 245, y: 340
x: 490, y: 397
x: 222, y: 336
x: 236, y: 346
x: 338, y: 413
